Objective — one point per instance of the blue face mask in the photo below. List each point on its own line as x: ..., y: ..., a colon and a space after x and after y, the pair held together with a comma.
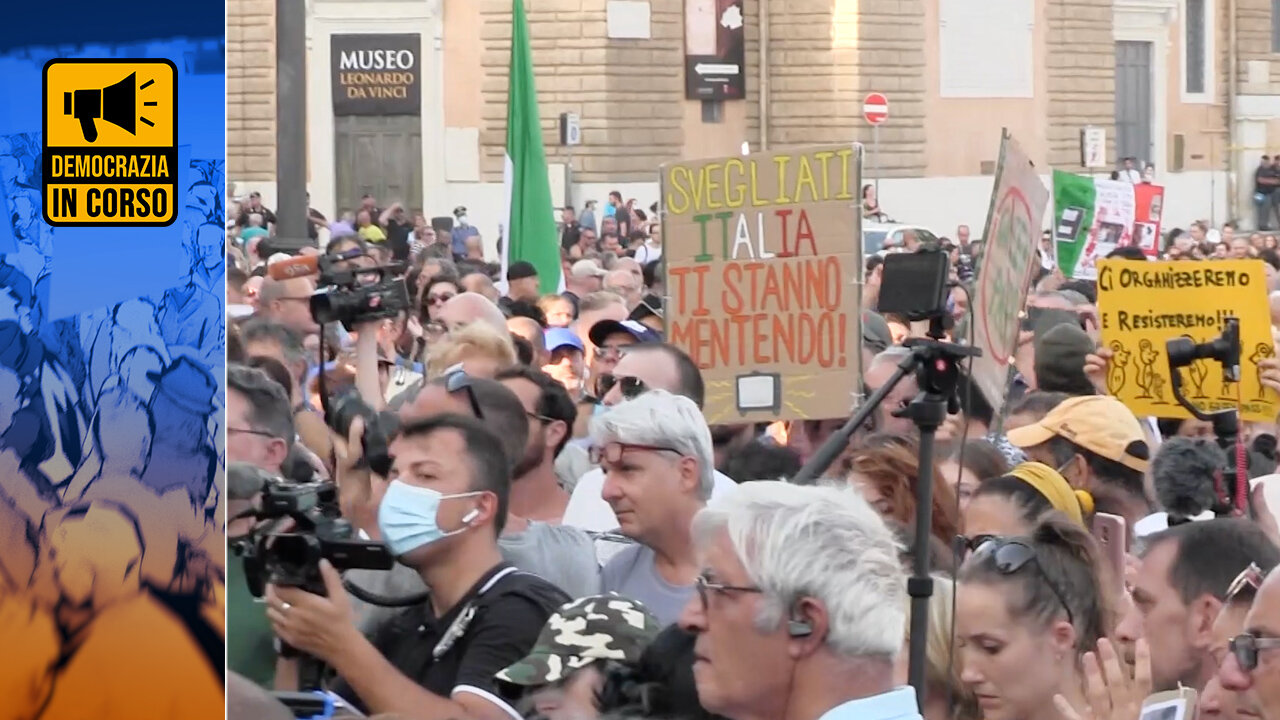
x: 407, y: 517
x: 599, y: 409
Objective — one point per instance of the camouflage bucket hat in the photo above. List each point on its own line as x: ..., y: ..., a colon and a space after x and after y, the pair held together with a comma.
x: 600, y: 627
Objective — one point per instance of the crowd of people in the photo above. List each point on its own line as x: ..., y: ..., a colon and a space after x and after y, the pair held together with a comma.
x: 572, y: 540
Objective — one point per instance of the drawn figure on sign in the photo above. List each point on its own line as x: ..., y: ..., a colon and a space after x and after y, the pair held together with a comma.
x: 1157, y: 387
x: 1198, y: 371
x: 1262, y: 352
x: 1147, y: 356
x: 1116, y: 373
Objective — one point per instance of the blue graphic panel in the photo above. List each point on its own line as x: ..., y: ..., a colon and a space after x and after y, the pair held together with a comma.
x: 112, y: 347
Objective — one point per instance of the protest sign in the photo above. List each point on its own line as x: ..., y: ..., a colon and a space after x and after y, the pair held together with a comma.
x: 763, y: 256
x: 1143, y: 304
x: 1148, y: 207
x: 1092, y: 217
x: 1012, y: 236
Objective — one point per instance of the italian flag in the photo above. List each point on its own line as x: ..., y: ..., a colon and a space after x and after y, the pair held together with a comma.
x: 1092, y: 217
x: 529, y: 231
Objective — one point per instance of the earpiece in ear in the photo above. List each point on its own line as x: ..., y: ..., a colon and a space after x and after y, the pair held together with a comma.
x: 470, y: 516
x: 799, y: 628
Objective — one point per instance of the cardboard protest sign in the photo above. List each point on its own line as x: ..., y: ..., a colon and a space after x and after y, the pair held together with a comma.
x: 1143, y: 304
x: 1008, y: 262
x: 764, y: 255
x: 1148, y: 208
x: 1092, y: 217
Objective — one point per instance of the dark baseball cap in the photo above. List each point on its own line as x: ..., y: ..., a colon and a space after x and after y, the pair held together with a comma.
x: 520, y: 270
x: 603, y: 329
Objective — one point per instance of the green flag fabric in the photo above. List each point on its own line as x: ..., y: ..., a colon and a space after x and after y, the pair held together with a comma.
x: 529, y: 230
x: 1074, y: 199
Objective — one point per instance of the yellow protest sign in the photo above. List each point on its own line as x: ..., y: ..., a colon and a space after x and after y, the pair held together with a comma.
x: 1141, y: 305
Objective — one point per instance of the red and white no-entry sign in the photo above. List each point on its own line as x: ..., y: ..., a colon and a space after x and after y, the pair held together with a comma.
x: 875, y: 108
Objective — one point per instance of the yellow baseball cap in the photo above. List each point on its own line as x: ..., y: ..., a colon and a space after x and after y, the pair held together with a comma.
x: 1100, y: 424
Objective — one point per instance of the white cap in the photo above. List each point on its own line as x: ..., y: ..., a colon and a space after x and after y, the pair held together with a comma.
x: 587, y: 268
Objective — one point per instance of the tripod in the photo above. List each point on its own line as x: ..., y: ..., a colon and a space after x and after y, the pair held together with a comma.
x: 936, y: 365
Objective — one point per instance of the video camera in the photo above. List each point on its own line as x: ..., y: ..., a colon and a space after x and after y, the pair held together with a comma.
x: 1224, y: 350
x: 292, y: 559
x: 354, y: 295
x: 345, y: 406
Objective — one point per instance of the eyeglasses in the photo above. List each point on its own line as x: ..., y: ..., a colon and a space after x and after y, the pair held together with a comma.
x: 440, y: 299
x: 610, y: 351
x: 1245, y: 648
x: 250, y: 431
x: 1010, y: 556
x: 706, y: 587
x: 544, y: 419
x: 630, y: 387
x: 459, y: 380
x: 612, y: 452
x: 1250, y: 578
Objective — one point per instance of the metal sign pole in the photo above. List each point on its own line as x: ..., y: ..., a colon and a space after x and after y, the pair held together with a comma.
x: 875, y: 156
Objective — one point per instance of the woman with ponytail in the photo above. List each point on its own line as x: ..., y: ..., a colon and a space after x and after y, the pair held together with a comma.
x: 1028, y: 610
x: 1011, y: 504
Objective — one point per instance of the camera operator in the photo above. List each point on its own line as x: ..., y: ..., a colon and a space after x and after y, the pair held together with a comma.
x: 563, y: 555
x: 259, y: 435
x: 441, y: 515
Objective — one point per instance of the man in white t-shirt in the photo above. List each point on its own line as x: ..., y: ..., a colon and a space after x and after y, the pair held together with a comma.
x: 643, y: 367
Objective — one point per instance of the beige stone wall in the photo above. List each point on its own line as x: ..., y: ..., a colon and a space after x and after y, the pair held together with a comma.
x: 1081, y: 76
x: 627, y: 92
x: 825, y: 56
x: 251, y: 90
x: 1259, y: 68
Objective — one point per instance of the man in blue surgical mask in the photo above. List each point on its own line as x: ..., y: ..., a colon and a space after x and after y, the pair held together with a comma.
x: 441, y: 515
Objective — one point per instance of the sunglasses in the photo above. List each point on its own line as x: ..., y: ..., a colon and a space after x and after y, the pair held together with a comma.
x: 1250, y: 579
x: 1245, y: 648
x: 630, y: 387
x: 460, y: 381
x: 1011, y: 556
x: 612, y: 452
x: 440, y: 299
x: 971, y: 543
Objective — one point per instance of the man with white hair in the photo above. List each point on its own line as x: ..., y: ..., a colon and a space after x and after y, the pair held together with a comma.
x: 800, y: 607
x: 656, y: 455
x: 468, y: 307
x: 643, y: 368
x: 626, y: 285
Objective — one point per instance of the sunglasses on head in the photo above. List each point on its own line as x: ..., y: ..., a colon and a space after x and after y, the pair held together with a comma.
x: 1250, y: 579
x: 1011, y: 556
x: 612, y: 452
x: 630, y: 387
x: 459, y: 380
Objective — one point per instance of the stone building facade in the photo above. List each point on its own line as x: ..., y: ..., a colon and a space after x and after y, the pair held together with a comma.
x: 933, y: 157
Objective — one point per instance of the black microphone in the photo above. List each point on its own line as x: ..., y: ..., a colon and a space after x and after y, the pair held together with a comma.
x: 1187, y: 473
